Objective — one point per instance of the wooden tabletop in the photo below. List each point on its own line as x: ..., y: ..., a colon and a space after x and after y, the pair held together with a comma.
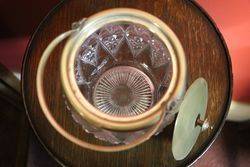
x: 206, y: 54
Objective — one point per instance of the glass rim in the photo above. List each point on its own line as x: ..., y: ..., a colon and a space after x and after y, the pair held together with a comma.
x: 154, y: 25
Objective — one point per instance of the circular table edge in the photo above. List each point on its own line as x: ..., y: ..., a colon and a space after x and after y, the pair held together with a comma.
x: 213, y: 136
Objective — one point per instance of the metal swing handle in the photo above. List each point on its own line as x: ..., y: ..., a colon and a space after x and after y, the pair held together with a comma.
x: 59, y: 128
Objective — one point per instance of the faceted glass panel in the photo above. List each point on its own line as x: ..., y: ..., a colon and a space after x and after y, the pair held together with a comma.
x: 123, y: 69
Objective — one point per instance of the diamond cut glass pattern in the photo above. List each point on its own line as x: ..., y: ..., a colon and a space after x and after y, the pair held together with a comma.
x: 90, y: 51
x: 110, y: 64
x: 159, y: 53
x: 122, y: 70
x: 137, y: 38
x: 111, y: 37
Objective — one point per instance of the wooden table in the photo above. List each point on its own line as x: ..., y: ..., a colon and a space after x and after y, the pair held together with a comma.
x: 206, y: 54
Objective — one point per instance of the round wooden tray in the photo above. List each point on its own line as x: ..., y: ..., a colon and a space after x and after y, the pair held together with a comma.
x: 206, y: 54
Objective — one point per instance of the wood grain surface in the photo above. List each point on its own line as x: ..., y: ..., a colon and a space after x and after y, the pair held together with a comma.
x: 206, y: 54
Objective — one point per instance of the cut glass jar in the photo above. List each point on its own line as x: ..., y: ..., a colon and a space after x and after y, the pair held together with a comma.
x: 123, y: 73
x: 122, y: 68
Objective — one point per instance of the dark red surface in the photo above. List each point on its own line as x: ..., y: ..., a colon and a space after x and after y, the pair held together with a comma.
x: 21, y: 17
x: 12, y: 51
x: 232, y: 18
